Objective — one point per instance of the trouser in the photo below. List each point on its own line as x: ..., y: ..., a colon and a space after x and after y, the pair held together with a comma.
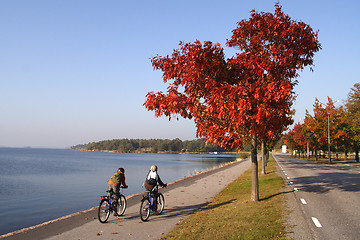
x: 154, y: 195
x: 116, y: 194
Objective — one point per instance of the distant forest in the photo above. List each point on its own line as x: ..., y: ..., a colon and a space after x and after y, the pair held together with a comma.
x: 152, y: 146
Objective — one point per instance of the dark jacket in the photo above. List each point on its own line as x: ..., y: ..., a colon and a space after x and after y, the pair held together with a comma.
x: 118, y: 179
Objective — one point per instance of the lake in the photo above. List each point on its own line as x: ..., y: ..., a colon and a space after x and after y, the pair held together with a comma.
x: 38, y: 185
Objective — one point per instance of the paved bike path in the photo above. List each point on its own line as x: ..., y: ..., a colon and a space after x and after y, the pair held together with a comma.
x: 182, y: 198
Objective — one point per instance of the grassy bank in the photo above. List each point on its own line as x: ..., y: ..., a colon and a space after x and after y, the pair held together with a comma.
x: 231, y: 214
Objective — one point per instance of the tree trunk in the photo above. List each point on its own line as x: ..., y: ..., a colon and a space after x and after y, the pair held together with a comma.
x: 316, y: 155
x: 357, y: 155
x: 336, y: 152
x: 254, y: 167
x: 263, y: 157
x: 308, y: 149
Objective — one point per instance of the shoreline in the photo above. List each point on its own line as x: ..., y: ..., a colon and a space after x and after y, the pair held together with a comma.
x: 160, y: 152
x: 68, y: 222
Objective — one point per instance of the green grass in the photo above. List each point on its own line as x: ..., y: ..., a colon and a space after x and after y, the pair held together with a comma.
x: 231, y: 214
x: 326, y: 160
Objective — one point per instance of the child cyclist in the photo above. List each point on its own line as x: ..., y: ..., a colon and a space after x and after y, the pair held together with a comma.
x: 153, y: 179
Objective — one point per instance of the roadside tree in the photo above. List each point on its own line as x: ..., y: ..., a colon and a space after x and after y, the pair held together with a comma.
x: 309, y: 133
x: 295, y: 139
x: 327, y: 126
x: 289, y: 140
x: 245, y: 98
x: 299, y: 138
x: 353, y: 118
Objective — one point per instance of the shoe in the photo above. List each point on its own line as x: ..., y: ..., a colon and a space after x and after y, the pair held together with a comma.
x: 115, y: 214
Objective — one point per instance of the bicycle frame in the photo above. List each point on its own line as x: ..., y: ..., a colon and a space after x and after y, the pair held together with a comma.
x: 106, y: 206
x: 148, y: 196
x: 147, y: 204
x: 110, y: 198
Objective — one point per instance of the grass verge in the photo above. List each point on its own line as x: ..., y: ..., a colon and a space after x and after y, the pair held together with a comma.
x: 231, y: 214
x: 326, y: 160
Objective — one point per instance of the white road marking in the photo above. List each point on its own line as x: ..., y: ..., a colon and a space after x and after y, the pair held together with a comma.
x: 316, y: 222
x: 303, y: 201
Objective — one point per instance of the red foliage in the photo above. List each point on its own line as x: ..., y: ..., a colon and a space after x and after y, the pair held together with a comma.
x: 326, y: 118
x: 247, y: 95
x: 299, y: 137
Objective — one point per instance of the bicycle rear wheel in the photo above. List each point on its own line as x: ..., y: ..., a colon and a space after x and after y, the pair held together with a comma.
x: 160, y: 203
x: 104, y: 210
x: 121, y: 205
x: 145, y: 210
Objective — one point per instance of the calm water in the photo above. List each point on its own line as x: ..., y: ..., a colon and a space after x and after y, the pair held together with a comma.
x: 38, y: 185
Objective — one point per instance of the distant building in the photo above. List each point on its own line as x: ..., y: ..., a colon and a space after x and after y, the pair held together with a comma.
x: 283, y: 149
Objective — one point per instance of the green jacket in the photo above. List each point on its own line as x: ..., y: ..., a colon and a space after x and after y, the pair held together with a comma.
x: 117, y: 179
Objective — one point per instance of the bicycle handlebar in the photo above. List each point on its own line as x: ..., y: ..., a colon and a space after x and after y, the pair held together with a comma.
x: 165, y: 185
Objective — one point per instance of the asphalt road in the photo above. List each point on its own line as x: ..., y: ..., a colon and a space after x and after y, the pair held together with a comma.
x: 326, y: 196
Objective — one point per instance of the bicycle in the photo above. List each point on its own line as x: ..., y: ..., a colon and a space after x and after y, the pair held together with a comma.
x: 147, y: 204
x: 106, y: 207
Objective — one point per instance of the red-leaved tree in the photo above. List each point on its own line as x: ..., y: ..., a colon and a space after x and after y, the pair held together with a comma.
x: 247, y: 97
x: 327, y: 126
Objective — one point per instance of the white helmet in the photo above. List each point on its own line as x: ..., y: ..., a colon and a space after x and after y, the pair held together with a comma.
x: 153, y: 168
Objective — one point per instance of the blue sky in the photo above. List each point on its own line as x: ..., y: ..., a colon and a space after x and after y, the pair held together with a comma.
x: 77, y: 71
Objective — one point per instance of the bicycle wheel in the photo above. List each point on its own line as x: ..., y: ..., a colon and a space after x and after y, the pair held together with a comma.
x: 121, y: 205
x: 160, y: 203
x: 145, y: 210
x: 104, y: 210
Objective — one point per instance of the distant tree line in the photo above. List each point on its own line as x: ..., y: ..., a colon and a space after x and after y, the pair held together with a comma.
x: 150, y: 145
x: 329, y: 128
